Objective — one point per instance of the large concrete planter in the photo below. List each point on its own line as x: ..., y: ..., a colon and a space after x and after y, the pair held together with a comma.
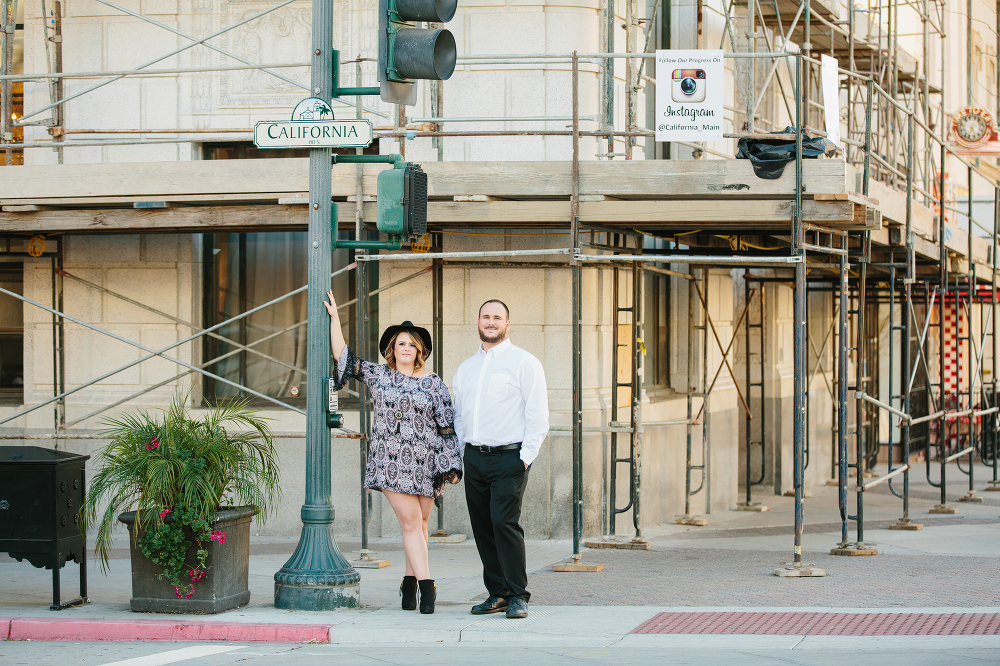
x: 228, y: 570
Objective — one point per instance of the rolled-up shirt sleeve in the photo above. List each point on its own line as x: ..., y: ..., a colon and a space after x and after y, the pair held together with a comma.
x: 457, y: 404
x: 536, y: 408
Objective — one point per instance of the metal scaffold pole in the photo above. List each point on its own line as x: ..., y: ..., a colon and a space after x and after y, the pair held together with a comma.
x: 906, y: 334
x: 797, y: 567
x: 970, y: 356
x: 362, y: 328
x: 577, y: 325
x: 990, y: 425
x: 317, y: 576
x: 574, y: 562
x: 862, y: 373
x: 842, y: 349
x: 942, y: 439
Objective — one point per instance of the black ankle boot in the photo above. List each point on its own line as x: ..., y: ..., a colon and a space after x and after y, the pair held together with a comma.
x: 408, y: 590
x: 428, y: 595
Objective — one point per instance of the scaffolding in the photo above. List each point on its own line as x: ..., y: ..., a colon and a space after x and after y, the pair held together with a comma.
x: 896, y: 136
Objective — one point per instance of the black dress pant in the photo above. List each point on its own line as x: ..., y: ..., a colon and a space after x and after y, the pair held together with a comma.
x: 494, y: 486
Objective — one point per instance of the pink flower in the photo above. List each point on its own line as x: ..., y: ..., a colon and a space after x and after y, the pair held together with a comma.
x: 164, y: 512
x: 177, y: 591
x: 218, y: 536
x: 154, y: 442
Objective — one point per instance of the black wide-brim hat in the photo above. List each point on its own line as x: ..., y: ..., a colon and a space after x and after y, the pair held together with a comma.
x: 407, y: 326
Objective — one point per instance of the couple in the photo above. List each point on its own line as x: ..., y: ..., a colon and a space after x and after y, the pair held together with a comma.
x: 498, y: 422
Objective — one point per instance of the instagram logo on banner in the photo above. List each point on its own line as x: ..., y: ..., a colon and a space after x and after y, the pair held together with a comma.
x: 688, y: 85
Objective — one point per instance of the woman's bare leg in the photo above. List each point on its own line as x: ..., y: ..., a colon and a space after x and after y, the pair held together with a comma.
x: 425, y: 512
x: 409, y: 513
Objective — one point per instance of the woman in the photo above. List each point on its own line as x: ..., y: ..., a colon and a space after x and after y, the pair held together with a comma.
x: 413, y: 449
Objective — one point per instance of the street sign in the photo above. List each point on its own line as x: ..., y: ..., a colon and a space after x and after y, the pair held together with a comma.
x: 312, y: 133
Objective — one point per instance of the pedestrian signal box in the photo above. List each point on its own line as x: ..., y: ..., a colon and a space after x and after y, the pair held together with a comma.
x: 402, y: 202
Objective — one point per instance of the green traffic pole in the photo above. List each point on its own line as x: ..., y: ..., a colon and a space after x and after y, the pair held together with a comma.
x: 362, y: 90
x: 317, y: 577
x: 395, y: 160
x: 394, y: 243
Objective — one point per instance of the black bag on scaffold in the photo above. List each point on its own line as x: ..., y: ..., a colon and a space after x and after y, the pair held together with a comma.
x: 769, y: 156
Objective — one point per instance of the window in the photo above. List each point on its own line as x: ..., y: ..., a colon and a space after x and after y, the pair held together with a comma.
x: 247, y: 270
x: 656, y: 326
x: 242, y: 272
x: 246, y: 150
x: 11, y: 334
x: 17, y: 110
x: 657, y: 289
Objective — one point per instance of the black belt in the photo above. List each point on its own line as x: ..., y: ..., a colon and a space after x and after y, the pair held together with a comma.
x: 495, y: 449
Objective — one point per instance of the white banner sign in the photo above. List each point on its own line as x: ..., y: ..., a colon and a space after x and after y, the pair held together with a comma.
x: 312, y: 133
x: 831, y: 97
x: 830, y: 80
x: 689, y: 95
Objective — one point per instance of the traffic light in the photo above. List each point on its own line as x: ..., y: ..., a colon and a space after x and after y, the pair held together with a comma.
x: 402, y: 202
x: 406, y: 53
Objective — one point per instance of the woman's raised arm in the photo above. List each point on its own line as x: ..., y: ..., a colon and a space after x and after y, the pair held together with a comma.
x: 336, y: 334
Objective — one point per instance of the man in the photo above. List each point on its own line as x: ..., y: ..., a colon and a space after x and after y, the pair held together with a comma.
x: 501, y: 419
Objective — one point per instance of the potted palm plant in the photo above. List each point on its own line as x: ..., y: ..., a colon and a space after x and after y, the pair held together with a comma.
x: 187, y: 489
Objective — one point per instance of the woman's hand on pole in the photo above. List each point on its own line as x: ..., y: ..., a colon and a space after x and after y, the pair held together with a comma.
x: 336, y: 334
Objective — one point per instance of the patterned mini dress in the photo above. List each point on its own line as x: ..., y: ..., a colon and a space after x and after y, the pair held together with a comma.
x: 413, y: 444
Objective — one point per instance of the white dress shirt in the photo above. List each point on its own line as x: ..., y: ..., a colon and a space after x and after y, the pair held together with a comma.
x: 500, y: 398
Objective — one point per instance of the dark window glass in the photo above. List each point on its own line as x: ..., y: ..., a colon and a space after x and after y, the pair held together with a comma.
x: 656, y: 318
x: 11, y: 334
x: 246, y: 150
x: 248, y: 270
x: 266, y: 350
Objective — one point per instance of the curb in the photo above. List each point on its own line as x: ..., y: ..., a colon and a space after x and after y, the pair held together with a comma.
x: 57, y: 629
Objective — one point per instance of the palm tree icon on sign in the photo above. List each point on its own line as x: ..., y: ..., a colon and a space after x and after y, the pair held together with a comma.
x: 323, y: 110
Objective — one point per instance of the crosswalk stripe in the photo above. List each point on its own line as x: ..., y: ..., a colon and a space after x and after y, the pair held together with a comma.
x: 173, y: 656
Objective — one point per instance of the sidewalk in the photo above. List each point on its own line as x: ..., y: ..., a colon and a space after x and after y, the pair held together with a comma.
x: 918, y: 578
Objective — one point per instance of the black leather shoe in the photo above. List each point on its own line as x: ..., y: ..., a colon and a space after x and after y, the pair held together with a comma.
x: 517, y: 608
x: 491, y: 605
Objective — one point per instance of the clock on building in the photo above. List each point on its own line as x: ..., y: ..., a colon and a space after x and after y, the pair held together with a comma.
x: 972, y: 127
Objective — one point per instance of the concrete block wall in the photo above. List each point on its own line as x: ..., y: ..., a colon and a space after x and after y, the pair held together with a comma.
x: 100, y: 38
x: 161, y: 271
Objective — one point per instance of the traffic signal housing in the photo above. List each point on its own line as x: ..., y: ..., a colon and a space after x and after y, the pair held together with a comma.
x: 402, y: 202
x: 406, y: 53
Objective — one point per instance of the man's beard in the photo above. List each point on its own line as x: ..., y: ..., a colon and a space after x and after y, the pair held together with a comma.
x: 498, y: 336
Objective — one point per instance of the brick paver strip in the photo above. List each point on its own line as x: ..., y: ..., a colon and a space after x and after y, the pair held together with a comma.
x: 823, y: 624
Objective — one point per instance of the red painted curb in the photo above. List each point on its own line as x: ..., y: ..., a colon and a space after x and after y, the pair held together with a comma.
x: 59, y: 629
